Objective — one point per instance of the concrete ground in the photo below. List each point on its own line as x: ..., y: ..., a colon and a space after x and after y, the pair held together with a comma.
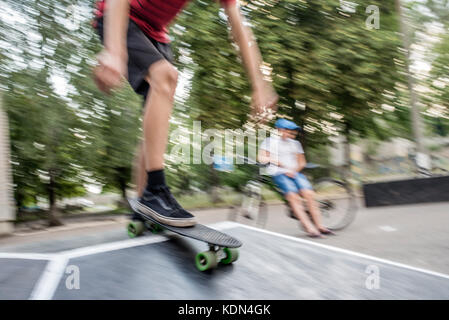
x: 387, y: 253
x: 416, y: 235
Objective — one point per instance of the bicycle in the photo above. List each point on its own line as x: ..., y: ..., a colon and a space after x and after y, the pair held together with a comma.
x: 336, y: 200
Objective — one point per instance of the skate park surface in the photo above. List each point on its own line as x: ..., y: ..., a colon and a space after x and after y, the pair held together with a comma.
x: 272, y: 265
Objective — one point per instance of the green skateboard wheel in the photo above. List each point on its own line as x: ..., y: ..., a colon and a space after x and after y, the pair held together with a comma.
x: 153, y: 227
x: 156, y: 228
x: 232, y: 254
x: 206, y: 260
x: 135, y: 228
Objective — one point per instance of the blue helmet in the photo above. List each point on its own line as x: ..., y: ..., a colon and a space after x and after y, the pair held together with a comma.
x: 286, y: 124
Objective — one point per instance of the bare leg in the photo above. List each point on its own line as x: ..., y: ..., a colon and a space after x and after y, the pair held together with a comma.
x: 158, y: 106
x: 308, y: 195
x: 160, y: 203
x: 162, y: 77
x: 139, y: 175
x: 295, y: 203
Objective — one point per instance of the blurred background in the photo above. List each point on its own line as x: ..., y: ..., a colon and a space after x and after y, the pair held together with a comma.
x: 371, y: 99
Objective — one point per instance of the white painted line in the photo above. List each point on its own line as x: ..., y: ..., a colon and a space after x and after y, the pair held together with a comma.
x: 223, y: 225
x: 28, y: 256
x: 345, y: 251
x: 48, y: 282
x: 106, y: 247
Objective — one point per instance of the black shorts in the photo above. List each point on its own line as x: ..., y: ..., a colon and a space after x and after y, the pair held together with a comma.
x: 143, y: 51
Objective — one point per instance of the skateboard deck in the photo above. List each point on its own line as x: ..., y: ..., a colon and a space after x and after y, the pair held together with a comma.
x: 222, y: 247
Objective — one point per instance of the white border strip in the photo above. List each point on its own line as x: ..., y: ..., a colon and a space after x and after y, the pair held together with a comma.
x: 54, y: 271
x: 345, y: 251
x: 106, y: 247
x: 48, y: 282
x: 28, y: 256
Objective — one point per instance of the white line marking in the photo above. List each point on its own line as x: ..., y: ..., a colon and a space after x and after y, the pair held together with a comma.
x: 29, y: 256
x: 223, y: 225
x: 48, y: 282
x: 106, y: 247
x: 345, y: 251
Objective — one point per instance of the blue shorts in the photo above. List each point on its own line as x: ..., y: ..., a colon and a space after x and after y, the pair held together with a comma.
x: 287, y: 184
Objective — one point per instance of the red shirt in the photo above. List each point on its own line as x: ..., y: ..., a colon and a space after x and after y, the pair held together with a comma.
x: 153, y: 16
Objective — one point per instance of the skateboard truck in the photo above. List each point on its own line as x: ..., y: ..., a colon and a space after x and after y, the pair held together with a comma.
x: 209, y: 259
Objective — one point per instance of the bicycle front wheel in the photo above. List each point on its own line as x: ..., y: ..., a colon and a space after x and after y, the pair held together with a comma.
x: 336, y: 203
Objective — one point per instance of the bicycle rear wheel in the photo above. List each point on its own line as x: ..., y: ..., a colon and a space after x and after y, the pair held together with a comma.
x: 336, y: 203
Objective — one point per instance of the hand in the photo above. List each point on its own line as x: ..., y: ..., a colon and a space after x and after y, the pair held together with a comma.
x: 263, y: 102
x: 290, y: 174
x: 110, y: 71
x: 277, y: 164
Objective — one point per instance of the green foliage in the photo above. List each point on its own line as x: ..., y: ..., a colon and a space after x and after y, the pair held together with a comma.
x: 333, y: 75
x: 65, y: 134
x: 439, y: 83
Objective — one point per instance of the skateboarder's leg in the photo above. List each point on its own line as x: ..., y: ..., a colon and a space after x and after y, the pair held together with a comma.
x: 162, y: 77
x: 156, y: 199
x: 151, y: 74
x: 139, y: 172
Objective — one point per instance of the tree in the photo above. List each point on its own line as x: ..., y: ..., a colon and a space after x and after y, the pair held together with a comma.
x: 65, y: 134
x: 439, y: 83
x: 113, y: 122
x: 333, y: 75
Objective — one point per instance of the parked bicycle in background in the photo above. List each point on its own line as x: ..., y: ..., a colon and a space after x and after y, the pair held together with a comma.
x: 335, y: 198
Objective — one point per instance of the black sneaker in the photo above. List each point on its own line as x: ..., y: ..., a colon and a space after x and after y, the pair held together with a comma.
x: 160, y: 205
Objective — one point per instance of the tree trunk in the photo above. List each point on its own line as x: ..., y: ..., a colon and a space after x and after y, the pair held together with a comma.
x: 122, y: 177
x: 122, y: 183
x: 53, y: 219
x: 215, y: 195
x: 347, y: 165
x: 346, y: 172
x: 417, y: 124
x: 7, y: 212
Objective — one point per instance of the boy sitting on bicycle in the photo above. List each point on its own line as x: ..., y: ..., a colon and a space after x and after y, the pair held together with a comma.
x: 286, y: 159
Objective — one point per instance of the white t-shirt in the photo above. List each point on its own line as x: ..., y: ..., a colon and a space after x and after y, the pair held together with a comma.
x: 283, y: 150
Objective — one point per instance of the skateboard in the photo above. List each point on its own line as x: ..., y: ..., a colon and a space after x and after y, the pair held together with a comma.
x: 222, y: 247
